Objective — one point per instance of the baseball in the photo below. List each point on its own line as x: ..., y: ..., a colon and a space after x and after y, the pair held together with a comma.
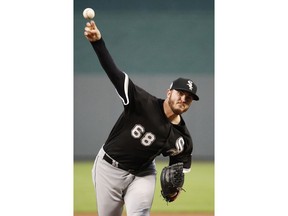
x: 88, y: 13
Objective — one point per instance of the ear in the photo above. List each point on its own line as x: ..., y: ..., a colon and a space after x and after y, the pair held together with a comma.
x: 169, y: 92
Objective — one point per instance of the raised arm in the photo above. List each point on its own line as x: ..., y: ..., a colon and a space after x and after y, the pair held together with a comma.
x: 117, y: 77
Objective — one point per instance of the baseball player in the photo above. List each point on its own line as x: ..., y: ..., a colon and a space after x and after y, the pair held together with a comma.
x: 124, y: 170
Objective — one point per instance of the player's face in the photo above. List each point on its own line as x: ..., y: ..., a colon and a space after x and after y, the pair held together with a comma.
x: 179, y: 101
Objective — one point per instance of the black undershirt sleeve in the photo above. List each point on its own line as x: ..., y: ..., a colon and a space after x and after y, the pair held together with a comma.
x: 116, y: 76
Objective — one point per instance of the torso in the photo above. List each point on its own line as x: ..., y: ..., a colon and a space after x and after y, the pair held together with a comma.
x: 143, y: 131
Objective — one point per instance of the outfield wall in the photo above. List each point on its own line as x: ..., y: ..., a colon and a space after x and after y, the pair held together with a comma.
x: 154, y: 43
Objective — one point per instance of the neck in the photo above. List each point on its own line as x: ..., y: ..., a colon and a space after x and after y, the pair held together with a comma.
x: 173, y: 118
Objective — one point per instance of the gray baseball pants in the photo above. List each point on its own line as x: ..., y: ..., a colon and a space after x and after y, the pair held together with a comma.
x: 116, y: 187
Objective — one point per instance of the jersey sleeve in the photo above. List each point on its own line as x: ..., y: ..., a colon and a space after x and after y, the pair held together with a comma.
x: 185, y: 157
x: 186, y: 160
x: 119, y: 79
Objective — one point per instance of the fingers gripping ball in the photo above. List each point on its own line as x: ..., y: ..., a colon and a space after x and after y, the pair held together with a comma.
x: 88, y: 13
x: 172, y: 180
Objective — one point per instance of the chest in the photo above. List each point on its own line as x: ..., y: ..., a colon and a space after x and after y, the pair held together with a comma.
x: 157, y: 133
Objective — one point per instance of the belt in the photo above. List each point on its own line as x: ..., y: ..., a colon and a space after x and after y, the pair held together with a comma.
x: 114, y: 163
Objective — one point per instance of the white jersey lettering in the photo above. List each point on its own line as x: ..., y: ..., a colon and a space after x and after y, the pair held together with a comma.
x: 179, y: 147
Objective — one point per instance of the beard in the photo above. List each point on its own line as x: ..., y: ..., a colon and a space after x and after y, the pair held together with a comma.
x: 177, y: 107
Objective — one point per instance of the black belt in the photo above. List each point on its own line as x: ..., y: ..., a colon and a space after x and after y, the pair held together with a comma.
x: 115, y: 163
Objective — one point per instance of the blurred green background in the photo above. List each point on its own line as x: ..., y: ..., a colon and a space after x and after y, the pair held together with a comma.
x: 151, y: 36
x: 199, y: 186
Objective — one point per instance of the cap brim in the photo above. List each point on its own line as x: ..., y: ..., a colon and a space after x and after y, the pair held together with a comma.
x: 195, y: 97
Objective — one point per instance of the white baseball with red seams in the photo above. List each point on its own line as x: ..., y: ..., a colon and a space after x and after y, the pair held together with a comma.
x: 88, y: 13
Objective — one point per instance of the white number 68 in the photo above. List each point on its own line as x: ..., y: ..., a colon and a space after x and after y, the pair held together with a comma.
x: 138, y: 132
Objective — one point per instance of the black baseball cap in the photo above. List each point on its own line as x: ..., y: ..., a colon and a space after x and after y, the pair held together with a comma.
x: 185, y: 85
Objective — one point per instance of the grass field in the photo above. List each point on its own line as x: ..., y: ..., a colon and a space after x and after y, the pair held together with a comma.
x: 199, y: 186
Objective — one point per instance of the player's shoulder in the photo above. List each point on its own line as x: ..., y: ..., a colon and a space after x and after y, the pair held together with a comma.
x: 139, y: 92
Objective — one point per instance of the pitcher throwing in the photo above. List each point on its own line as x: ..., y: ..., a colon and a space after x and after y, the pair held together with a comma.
x: 124, y: 170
